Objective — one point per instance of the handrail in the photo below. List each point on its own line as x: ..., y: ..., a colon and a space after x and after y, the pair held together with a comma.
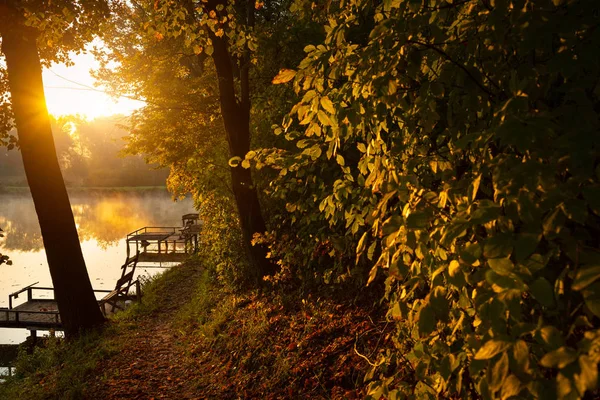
x: 145, y: 229
x: 18, y: 292
x: 28, y: 311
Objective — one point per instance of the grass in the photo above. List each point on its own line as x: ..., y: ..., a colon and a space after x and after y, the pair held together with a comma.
x: 58, y: 369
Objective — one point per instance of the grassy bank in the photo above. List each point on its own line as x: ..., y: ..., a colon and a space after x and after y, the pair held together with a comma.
x: 194, y: 338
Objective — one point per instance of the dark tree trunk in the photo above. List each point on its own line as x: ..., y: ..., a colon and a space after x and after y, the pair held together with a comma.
x: 236, y: 118
x: 78, y: 308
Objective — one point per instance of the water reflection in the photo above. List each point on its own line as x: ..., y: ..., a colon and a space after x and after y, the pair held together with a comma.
x: 102, y: 217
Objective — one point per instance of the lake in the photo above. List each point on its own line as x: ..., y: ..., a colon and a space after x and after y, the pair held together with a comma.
x: 103, y: 219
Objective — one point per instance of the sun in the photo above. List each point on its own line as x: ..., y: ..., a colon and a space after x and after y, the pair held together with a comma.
x: 70, y: 91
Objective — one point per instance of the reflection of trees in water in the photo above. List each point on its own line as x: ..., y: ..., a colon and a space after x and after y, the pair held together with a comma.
x: 103, y: 217
x: 20, y: 224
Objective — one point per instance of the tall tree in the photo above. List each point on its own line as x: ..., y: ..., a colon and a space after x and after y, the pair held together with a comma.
x: 190, y: 33
x: 235, y: 111
x: 73, y: 290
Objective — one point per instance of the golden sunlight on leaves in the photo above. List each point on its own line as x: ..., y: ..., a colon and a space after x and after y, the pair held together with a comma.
x: 284, y: 76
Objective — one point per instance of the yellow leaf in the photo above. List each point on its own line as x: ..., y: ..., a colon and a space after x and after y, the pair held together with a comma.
x: 327, y: 105
x: 284, y: 76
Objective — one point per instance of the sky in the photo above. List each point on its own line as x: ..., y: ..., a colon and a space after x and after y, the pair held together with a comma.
x: 71, y: 90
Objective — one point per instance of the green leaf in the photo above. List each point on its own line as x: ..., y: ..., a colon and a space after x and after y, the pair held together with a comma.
x: 209, y: 50
x: 491, y: 348
x: 498, y: 373
x: 417, y: 220
x: 371, y: 250
x: 502, y: 283
x: 591, y: 296
x: 245, y: 164
x: 553, y: 223
x: 475, y: 187
x: 585, y: 275
x: 587, y: 379
x: 541, y: 290
x: 521, y: 357
x: 471, y: 253
x: 453, y: 268
x: 502, y: 266
x: 551, y: 337
x: 575, y: 210
x: 361, y: 244
x: 499, y: 245
x: 535, y: 263
x: 559, y: 358
x: 511, y: 387
x: 525, y: 245
x: 426, y: 320
x: 327, y: 105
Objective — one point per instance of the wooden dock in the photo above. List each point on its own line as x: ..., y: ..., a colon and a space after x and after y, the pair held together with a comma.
x: 32, y: 315
x: 39, y: 310
x: 157, y: 244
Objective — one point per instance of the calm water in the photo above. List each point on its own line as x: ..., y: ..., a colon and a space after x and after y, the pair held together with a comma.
x: 103, y: 221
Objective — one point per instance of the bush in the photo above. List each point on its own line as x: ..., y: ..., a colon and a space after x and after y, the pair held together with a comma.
x: 456, y: 143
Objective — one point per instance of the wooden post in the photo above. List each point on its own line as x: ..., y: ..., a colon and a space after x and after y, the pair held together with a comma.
x: 138, y: 291
x: 29, y: 294
x: 33, y: 333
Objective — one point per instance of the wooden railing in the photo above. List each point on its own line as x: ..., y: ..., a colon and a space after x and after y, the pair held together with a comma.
x: 17, y: 319
x: 176, y: 240
x: 29, y: 289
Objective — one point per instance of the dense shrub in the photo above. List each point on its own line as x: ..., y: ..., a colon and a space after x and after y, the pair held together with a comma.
x: 456, y: 144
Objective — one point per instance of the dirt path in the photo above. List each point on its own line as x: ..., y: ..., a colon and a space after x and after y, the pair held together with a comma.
x: 149, y: 367
x: 150, y: 364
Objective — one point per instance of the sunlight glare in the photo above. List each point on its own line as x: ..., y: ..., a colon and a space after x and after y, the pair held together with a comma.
x: 71, y: 91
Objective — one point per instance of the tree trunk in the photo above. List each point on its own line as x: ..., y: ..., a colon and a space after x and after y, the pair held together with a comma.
x: 236, y: 118
x: 72, y: 287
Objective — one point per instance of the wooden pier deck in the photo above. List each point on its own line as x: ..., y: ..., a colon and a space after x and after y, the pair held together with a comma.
x: 157, y: 244
x: 41, y: 312
x: 32, y: 315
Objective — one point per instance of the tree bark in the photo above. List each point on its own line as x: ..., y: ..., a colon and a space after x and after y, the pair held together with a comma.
x: 77, y: 304
x: 236, y: 118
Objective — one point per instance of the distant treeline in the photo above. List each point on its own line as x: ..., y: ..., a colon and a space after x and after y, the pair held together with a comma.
x: 89, y: 154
